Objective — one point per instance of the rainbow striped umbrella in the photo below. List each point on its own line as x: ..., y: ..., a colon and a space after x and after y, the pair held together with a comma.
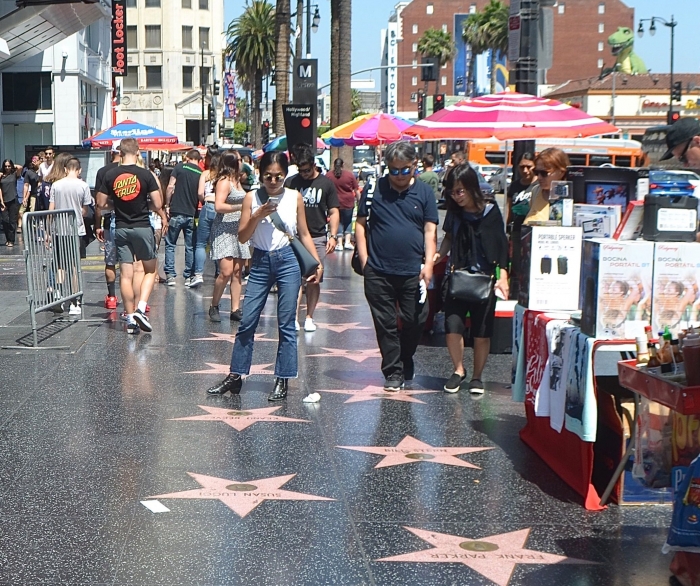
x: 509, y: 116
x: 369, y: 129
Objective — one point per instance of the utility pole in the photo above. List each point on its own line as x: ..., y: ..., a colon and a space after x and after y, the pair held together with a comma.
x: 202, y: 124
x: 300, y: 29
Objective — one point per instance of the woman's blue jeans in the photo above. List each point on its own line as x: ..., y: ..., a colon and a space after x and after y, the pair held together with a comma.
x: 269, y: 267
x: 206, y: 219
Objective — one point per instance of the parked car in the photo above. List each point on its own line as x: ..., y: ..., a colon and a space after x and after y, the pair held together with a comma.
x: 692, y: 178
x: 663, y: 182
x: 488, y: 171
x: 501, y: 181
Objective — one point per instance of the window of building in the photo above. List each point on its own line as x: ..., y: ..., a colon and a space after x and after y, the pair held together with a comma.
x: 472, y: 9
x: 152, y: 36
x: 561, y: 8
x: 131, y: 80
x: 204, y: 76
x: 443, y: 82
x: 188, y: 78
x: 152, y: 3
x: 601, y: 28
x: 444, y: 65
x: 414, y: 80
x: 131, y: 37
x: 600, y: 63
x: 429, y: 9
x: 187, y: 3
x: 415, y: 29
x: 444, y: 28
x: 204, y: 4
x: 414, y: 47
x: 154, y: 77
x: 415, y: 64
x: 204, y: 37
x: 186, y: 37
x: 131, y: 3
x: 601, y: 8
x: 601, y: 45
x: 26, y: 92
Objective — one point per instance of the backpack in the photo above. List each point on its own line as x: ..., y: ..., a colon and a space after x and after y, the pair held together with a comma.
x: 355, y: 261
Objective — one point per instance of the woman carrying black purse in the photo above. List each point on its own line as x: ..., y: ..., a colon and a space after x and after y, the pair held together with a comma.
x: 475, y: 239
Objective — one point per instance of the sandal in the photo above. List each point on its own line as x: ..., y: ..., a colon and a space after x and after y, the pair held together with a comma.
x: 476, y: 386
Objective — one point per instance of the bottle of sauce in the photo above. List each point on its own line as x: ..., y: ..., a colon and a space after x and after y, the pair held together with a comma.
x: 691, y: 359
x: 679, y: 365
x: 642, y: 351
x: 647, y: 331
x: 666, y: 352
x: 654, y: 364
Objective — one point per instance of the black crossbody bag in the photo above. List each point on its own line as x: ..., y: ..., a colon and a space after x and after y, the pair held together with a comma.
x: 307, y: 263
x: 355, y: 261
x: 466, y: 285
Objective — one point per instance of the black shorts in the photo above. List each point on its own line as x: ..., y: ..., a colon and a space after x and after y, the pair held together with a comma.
x: 63, y: 251
x: 135, y: 243
x: 482, y: 316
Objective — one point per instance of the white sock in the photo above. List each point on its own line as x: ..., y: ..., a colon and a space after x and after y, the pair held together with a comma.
x: 142, y: 306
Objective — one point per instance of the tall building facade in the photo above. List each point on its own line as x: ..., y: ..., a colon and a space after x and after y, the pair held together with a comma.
x: 579, y: 45
x: 173, y: 48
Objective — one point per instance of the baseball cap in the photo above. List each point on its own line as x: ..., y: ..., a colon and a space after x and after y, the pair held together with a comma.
x: 116, y: 146
x: 681, y: 131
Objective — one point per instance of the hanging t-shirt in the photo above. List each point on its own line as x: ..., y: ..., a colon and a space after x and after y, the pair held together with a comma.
x: 128, y: 186
x: 320, y: 196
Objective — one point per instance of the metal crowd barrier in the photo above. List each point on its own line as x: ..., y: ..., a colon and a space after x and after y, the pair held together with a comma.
x: 52, y: 260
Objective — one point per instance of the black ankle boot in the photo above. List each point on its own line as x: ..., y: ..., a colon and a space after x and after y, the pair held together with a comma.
x: 279, y: 393
x: 232, y: 383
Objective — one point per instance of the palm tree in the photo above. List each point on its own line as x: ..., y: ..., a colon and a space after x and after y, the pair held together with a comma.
x: 439, y: 45
x: 341, y: 71
x: 282, y: 61
x: 494, y: 23
x: 251, y: 44
x: 356, y: 102
x: 473, y: 34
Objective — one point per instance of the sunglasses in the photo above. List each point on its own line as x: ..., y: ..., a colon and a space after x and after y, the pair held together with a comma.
x: 273, y: 178
x: 306, y: 170
x: 403, y: 171
x: 542, y: 173
x: 683, y: 157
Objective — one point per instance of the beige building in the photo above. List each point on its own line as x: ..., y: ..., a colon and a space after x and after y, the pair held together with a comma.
x: 173, y: 46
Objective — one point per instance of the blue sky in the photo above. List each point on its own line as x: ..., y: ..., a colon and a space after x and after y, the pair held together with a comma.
x: 655, y: 51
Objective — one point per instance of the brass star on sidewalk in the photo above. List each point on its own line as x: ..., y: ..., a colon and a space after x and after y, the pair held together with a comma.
x: 372, y: 393
x: 238, y: 419
x: 241, y: 496
x: 356, y: 355
x: 494, y: 557
x: 410, y: 450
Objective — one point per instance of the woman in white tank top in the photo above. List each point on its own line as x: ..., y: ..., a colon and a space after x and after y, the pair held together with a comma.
x: 273, y: 263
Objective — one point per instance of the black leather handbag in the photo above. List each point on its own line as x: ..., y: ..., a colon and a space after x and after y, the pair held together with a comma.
x: 468, y: 286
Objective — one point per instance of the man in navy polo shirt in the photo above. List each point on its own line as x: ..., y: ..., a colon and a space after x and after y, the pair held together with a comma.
x: 396, y: 240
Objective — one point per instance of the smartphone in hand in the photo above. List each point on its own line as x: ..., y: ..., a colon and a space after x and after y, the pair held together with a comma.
x: 273, y: 201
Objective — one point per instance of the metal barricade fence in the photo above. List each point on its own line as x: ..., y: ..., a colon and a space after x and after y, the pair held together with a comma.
x: 52, y: 260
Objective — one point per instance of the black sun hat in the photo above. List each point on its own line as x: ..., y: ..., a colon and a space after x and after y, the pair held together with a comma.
x: 681, y: 131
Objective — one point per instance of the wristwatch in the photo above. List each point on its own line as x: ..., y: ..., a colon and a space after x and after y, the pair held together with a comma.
x: 333, y: 236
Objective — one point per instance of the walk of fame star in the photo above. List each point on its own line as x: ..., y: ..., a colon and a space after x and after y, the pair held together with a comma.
x: 410, y: 450
x: 221, y: 337
x: 339, y: 307
x: 239, y: 420
x: 241, y: 496
x: 494, y: 557
x: 340, y: 328
x: 356, y: 355
x: 215, y: 368
x: 372, y: 393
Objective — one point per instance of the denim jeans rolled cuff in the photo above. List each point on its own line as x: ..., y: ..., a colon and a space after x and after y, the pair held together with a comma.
x: 179, y: 223
x: 206, y: 219
x: 267, y: 268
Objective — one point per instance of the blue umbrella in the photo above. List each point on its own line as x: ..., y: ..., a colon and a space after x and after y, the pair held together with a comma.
x: 144, y: 134
x: 280, y: 144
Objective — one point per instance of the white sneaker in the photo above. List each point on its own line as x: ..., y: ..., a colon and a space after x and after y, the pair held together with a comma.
x: 297, y: 327
x: 196, y: 281
x: 75, y: 310
x: 188, y: 282
x: 349, y: 247
x: 338, y: 247
x: 309, y: 325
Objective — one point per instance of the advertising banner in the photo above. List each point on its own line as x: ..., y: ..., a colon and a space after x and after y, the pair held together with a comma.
x: 118, y: 38
x: 300, y: 124
x: 229, y: 94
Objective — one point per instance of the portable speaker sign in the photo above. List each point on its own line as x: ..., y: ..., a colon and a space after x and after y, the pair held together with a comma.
x: 118, y: 38
x: 300, y: 124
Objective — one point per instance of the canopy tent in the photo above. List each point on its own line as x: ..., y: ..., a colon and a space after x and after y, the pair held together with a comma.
x: 368, y: 129
x: 147, y: 136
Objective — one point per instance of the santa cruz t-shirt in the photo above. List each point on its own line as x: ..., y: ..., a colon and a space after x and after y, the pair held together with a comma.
x: 129, y: 186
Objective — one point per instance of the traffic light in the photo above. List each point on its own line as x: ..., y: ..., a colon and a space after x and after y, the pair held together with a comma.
x: 677, y: 91
x: 212, y: 119
x: 217, y: 88
x: 438, y: 102
x: 673, y: 117
x: 266, y: 131
x: 421, y: 105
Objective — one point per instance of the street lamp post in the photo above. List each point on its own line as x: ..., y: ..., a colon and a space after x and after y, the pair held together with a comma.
x: 652, y: 30
x: 203, y: 88
x: 311, y: 25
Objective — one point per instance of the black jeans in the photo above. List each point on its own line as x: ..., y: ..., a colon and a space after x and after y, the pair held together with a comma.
x: 383, y: 293
x: 9, y: 220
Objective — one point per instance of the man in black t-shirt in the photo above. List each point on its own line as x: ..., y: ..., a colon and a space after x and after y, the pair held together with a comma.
x: 181, y: 203
x: 129, y: 188
x: 321, y: 207
x: 397, y: 259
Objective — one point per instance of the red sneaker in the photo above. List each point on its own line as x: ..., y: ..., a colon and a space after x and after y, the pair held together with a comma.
x: 111, y: 302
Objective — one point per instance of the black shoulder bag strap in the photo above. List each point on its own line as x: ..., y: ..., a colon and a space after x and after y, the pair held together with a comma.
x: 263, y: 196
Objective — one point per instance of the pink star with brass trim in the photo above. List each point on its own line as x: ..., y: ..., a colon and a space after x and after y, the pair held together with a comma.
x: 356, y: 355
x: 494, y: 557
x: 372, y: 393
x: 340, y: 328
x: 221, y: 337
x: 339, y: 307
x: 241, y: 496
x: 239, y: 419
x: 411, y: 450
x: 215, y: 368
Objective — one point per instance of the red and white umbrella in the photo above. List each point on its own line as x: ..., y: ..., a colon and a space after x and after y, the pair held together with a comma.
x: 509, y: 116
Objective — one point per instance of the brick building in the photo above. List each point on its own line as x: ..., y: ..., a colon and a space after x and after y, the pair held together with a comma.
x: 581, y: 30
